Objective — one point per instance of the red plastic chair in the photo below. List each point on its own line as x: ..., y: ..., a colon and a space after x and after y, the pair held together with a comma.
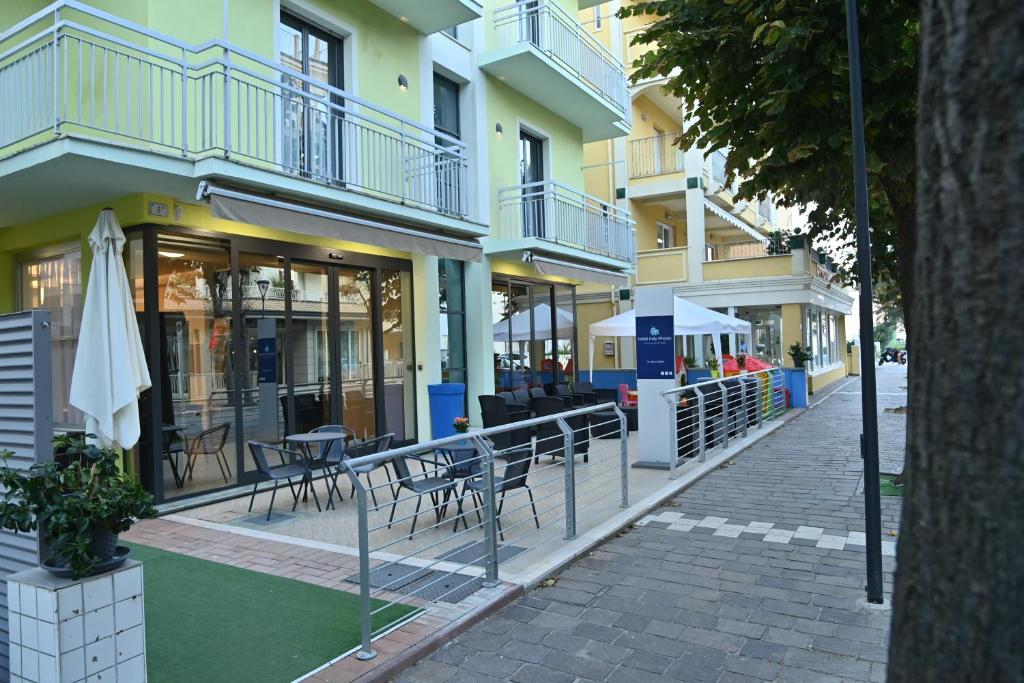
x: 624, y: 398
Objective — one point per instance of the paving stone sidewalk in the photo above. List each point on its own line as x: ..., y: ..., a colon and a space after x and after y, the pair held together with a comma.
x: 754, y: 573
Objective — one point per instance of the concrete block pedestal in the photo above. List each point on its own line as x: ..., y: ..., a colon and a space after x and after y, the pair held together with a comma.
x: 63, y: 630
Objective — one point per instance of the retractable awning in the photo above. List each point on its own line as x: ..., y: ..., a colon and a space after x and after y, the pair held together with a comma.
x: 732, y: 220
x: 574, y: 271
x: 257, y: 209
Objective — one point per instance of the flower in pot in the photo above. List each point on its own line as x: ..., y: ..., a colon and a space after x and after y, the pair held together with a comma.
x: 741, y: 361
x: 690, y: 361
x: 81, y: 507
x: 713, y: 365
x: 461, y: 425
x: 800, y: 354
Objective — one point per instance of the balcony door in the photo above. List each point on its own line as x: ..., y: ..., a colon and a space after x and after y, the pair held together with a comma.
x: 312, y: 130
x: 531, y: 176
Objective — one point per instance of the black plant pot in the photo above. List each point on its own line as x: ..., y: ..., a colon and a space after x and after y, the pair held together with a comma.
x: 103, y: 545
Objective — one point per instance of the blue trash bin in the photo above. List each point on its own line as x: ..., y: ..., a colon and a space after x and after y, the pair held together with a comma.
x: 447, y: 402
x: 796, y: 383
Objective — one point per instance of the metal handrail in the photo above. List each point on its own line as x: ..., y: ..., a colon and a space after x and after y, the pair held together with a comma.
x: 554, y: 212
x: 644, y: 163
x: 537, y: 22
x: 216, y: 98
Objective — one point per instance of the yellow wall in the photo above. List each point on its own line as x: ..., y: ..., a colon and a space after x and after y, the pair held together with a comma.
x: 792, y: 330
x: 765, y: 266
x: 587, y: 314
x: 661, y: 266
x: 820, y: 381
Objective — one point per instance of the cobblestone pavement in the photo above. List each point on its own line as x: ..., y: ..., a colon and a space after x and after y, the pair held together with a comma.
x: 678, y: 599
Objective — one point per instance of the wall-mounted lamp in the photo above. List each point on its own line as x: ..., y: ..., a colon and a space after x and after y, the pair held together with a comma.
x: 643, y: 117
x: 403, y: 82
x: 498, y: 129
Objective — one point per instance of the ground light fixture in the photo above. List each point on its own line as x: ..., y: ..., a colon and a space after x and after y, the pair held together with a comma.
x: 869, y: 402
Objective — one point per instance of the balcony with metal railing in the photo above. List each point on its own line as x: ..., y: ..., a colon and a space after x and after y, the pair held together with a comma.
x: 543, y: 52
x: 436, y: 15
x: 551, y: 213
x: 72, y: 71
x: 654, y: 156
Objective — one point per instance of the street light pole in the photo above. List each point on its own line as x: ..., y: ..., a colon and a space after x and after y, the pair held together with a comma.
x: 869, y: 403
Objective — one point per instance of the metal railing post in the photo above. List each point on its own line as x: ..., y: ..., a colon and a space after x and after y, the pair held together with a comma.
x: 56, y: 72
x: 623, y: 456
x: 227, y: 103
x: 490, y: 513
x: 673, y: 439
x: 701, y: 424
x: 570, y: 479
x: 725, y: 414
x: 744, y: 411
x: 184, y: 104
x: 366, y: 617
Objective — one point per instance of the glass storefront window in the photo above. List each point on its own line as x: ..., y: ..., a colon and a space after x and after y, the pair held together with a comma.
x: 766, y: 326
x: 54, y: 284
x: 356, y: 354
x: 565, y: 347
x: 309, y: 344
x: 196, y: 369
x: 399, y: 378
x: 452, y: 305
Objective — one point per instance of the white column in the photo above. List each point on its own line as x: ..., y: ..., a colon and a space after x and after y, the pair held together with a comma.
x: 655, y: 414
x: 427, y: 334
x: 693, y: 161
x: 479, y: 336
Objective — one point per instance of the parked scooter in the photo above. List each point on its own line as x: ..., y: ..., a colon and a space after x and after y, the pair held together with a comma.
x: 891, y: 355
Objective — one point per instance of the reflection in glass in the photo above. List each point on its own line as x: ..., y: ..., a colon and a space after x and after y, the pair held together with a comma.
x: 543, y: 343
x: 453, y: 320
x: 565, y: 347
x: 522, y: 314
x: 501, y: 312
x: 198, y: 414
x: 355, y: 344
x: 399, y: 380
x: 308, y: 342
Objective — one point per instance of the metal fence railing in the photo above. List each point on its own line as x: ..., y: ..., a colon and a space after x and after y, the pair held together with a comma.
x: 557, y: 213
x: 71, y: 69
x: 655, y: 155
x: 509, y: 490
x: 739, y: 250
x: 550, y: 29
x: 708, y: 414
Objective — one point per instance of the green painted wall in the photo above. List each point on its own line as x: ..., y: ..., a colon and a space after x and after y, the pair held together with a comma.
x: 565, y: 141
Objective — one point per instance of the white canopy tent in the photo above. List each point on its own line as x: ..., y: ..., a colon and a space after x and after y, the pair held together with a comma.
x: 690, y: 319
x: 520, y: 325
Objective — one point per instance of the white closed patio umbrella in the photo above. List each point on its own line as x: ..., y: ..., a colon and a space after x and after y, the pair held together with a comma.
x: 110, y: 366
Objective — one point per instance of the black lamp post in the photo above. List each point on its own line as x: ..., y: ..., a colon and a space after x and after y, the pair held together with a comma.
x: 263, y: 285
x: 869, y: 404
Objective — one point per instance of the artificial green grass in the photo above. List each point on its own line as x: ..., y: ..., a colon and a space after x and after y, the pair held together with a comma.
x: 888, y: 488
x: 207, y: 621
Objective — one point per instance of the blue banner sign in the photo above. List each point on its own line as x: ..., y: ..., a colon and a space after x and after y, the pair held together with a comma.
x: 267, y: 359
x: 655, y: 347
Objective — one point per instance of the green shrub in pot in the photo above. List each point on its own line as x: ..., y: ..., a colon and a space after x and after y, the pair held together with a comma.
x: 80, y: 506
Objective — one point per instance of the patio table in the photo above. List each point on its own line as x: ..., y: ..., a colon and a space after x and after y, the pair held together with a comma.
x: 304, y: 442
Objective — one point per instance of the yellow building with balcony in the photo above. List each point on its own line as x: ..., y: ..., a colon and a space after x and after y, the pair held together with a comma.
x: 694, y: 235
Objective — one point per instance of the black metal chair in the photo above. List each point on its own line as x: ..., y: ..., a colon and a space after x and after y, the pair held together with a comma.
x: 208, y: 442
x: 539, y: 393
x: 332, y: 454
x: 429, y: 485
x: 516, y: 410
x: 513, y: 477
x: 550, y: 439
x: 294, y: 465
x: 378, y: 444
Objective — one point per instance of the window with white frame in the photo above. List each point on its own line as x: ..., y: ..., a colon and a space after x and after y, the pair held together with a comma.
x: 54, y: 283
x: 666, y: 236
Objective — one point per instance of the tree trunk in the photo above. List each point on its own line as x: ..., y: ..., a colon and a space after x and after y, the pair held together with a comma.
x: 959, y: 599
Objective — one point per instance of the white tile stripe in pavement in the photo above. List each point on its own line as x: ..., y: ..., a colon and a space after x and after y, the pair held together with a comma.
x: 679, y: 522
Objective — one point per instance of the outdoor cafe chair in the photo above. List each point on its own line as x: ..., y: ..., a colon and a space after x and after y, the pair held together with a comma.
x: 513, y: 478
x: 551, y: 440
x: 539, y: 393
x: 293, y: 464
x: 563, y: 391
x: 429, y: 485
x: 208, y: 442
x: 595, y: 395
x: 332, y: 454
x: 378, y: 444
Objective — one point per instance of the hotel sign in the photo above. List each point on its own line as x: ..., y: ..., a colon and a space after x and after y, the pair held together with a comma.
x: 655, y: 347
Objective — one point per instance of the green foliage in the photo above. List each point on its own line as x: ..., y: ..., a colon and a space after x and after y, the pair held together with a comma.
x: 69, y: 502
x: 741, y: 360
x: 690, y: 361
x: 768, y: 79
x: 800, y: 354
x: 713, y: 362
x: 885, y: 333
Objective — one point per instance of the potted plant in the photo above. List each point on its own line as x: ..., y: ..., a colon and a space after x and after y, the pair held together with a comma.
x: 713, y: 365
x: 800, y: 354
x: 741, y: 362
x: 81, y: 507
x: 461, y: 425
x: 690, y: 361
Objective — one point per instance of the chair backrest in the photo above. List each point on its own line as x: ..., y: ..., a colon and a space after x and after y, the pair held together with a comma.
x: 211, y: 440
x: 377, y: 444
x: 333, y: 451
x: 489, y: 402
x: 507, y: 396
x: 259, y: 456
x: 402, y: 472
x: 514, y: 476
x: 521, y: 396
x: 537, y: 392
x: 549, y: 436
x: 562, y: 390
x: 465, y: 462
x: 583, y: 387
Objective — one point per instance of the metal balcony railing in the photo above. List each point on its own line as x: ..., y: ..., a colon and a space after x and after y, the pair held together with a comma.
x: 551, y: 30
x: 743, y: 250
x: 655, y: 155
x: 73, y: 70
x: 551, y: 211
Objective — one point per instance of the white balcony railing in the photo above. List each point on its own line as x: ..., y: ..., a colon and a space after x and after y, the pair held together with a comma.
x: 553, y: 212
x: 551, y: 30
x: 655, y: 155
x: 73, y: 70
x: 744, y: 250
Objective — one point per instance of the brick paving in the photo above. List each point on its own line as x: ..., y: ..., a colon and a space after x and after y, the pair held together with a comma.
x: 688, y: 604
